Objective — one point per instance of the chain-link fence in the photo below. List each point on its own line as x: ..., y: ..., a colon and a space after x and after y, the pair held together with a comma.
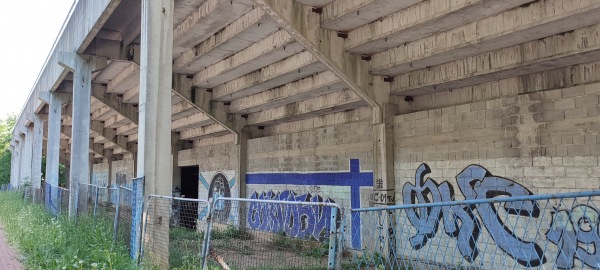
x: 39, y: 196
x: 56, y: 199
x: 174, y: 230
x: 123, y: 215
x: 273, y: 234
x: 537, y: 231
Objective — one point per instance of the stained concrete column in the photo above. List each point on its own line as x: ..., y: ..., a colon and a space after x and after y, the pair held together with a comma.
x: 55, y: 102
x: 384, y: 183
x: 14, y: 164
x: 82, y: 67
x: 36, y: 159
x: 384, y: 180
x: 27, y: 158
x: 154, y: 139
x: 242, y: 169
x: 21, y: 160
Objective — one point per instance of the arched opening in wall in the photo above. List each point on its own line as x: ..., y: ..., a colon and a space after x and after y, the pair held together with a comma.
x: 188, y: 211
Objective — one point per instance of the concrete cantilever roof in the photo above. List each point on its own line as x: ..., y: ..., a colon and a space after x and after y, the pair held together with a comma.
x: 275, y: 65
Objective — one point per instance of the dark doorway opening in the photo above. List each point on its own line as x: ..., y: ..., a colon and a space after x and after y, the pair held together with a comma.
x: 188, y: 212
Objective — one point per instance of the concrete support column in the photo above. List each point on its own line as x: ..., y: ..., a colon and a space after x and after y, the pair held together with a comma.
x: 29, y: 157
x: 25, y: 163
x: 14, y: 164
x: 242, y: 168
x: 21, y: 168
x: 55, y: 102
x: 36, y: 159
x: 154, y: 139
x: 384, y: 191
x: 384, y: 180
x: 82, y: 67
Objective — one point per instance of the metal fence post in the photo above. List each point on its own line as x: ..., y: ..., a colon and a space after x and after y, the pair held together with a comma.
x: 332, y: 239
x: 96, y: 200
x: 116, y: 223
x: 340, y: 246
x: 144, y: 225
x: 206, y: 244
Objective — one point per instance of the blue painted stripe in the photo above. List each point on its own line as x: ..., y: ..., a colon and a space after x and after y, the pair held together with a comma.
x: 203, y: 181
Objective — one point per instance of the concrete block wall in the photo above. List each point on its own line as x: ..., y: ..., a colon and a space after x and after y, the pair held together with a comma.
x: 331, y: 163
x: 100, y: 174
x: 541, y: 142
x: 123, y: 171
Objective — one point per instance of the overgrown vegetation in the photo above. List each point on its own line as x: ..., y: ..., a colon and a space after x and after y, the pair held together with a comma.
x: 59, y: 243
x: 304, y: 248
x: 6, y: 127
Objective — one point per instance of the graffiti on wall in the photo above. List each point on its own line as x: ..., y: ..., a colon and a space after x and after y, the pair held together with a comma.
x: 219, y: 186
x: 475, y: 182
x: 316, y: 183
x: 574, y: 231
x: 295, y: 220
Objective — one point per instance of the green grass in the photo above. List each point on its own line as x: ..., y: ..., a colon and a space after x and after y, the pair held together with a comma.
x: 46, y: 242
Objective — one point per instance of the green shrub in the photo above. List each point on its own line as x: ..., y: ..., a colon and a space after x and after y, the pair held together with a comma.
x: 47, y: 242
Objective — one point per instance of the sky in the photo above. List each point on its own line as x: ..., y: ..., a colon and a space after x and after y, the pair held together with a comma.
x: 28, y: 29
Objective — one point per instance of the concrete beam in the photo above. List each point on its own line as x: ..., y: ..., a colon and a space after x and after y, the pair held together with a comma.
x: 201, y: 100
x: 115, y: 103
x: 205, y: 21
x: 509, y: 28
x: 421, y: 20
x: 285, y: 71
x: 345, y: 15
x: 127, y: 129
x: 577, y: 47
x: 212, y: 130
x: 319, y: 84
x: 195, y: 120
x: 318, y: 106
x: 243, y: 32
x: 112, y: 136
x: 183, y: 109
x: 304, y: 25
x: 132, y: 95
x: 103, y: 113
x: 103, y: 128
x: 125, y: 80
x: 275, y: 47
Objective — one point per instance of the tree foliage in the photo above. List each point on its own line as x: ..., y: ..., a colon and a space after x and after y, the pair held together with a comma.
x: 6, y: 128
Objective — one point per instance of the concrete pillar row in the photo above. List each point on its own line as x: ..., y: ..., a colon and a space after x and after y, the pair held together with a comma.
x: 82, y: 67
x: 154, y: 131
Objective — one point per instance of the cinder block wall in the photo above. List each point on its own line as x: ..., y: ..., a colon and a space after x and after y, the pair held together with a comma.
x: 535, y: 139
x: 547, y: 141
x: 332, y: 163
